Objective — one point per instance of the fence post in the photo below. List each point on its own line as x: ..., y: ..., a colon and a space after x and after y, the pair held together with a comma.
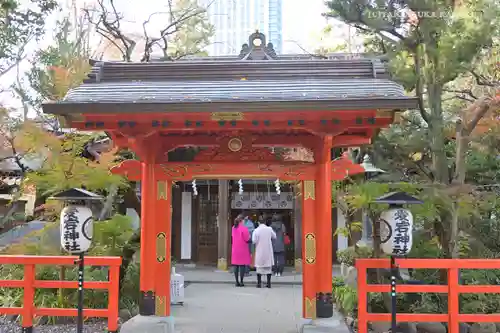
x: 113, y: 296
x: 28, y: 298
x: 453, y: 301
x: 362, y: 297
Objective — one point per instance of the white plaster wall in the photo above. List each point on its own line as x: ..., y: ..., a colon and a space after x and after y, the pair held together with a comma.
x: 342, y: 240
x: 186, y: 225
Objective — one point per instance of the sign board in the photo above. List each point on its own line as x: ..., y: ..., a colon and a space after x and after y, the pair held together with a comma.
x: 262, y: 200
x: 396, y: 231
x: 176, y: 288
x: 76, y: 228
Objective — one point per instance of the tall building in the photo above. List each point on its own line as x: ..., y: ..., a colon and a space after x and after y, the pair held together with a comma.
x: 235, y: 19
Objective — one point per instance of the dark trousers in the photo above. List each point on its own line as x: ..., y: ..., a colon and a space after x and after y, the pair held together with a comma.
x: 259, y: 280
x: 279, y: 262
x: 239, y: 272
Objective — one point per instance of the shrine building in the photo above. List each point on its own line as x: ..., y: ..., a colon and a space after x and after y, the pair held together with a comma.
x: 198, y: 126
x: 198, y: 236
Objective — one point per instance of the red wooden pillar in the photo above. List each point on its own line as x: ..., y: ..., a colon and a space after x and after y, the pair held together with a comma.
x: 324, y: 303
x: 148, y: 215
x: 308, y: 249
x: 162, y: 243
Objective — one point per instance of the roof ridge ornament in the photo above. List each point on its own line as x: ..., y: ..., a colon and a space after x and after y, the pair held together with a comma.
x: 257, y: 49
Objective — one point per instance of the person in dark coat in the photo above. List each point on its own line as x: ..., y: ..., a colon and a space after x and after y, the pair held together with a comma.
x: 279, y: 244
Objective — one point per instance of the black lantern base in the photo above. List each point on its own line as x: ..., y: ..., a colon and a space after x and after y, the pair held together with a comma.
x: 324, y: 305
x: 27, y: 329
x: 147, y: 304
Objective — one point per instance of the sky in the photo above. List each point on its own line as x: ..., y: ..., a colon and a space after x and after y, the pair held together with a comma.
x: 302, y: 24
x: 302, y: 27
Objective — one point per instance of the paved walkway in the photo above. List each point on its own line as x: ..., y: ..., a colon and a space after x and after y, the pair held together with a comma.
x: 221, y: 308
x: 212, y: 275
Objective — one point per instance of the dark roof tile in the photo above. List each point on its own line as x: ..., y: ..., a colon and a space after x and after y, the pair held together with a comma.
x: 244, y: 90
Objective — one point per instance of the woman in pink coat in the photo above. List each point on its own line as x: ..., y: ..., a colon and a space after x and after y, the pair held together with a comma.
x: 240, y: 251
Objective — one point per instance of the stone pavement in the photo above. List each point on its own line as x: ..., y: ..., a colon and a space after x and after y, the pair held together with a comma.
x: 223, y: 308
x: 214, y: 276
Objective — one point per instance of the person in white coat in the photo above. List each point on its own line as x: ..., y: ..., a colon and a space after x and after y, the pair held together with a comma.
x: 264, y: 259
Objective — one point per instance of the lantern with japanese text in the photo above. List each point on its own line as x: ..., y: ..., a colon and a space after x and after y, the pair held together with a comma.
x: 76, y: 219
x: 76, y: 233
x: 396, y: 236
x: 396, y: 227
x: 76, y: 228
x: 396, y: 223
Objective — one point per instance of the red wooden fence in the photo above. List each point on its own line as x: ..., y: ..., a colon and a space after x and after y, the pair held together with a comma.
x: 29, y: 284
x: 453, y: 289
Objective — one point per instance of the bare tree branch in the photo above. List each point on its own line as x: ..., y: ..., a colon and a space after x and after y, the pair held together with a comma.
x: 461, y: 92
x: 108, y: 25
x: 479, y: 110
x: 173, y: 27
x: 20, y: 57
x: 482, y: 80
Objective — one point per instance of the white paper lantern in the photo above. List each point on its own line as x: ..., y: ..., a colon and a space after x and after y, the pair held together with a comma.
x: 76, y: 228
x: 396, y: 231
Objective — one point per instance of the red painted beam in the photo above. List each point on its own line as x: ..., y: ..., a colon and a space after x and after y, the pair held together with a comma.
x: 207, y: 140
x: 316, y: 126
x: 228, y: 116
x: 351, y: 140
x: 341, y: 168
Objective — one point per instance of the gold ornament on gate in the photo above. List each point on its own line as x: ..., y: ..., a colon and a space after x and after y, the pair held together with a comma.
x: 235, y: 145
x: 161, y: 306
x: 161, y: 247
x: 310, y: 248
x: 310, y: 308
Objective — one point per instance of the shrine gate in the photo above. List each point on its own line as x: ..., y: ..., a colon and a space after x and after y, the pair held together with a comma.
x: 243, y: 113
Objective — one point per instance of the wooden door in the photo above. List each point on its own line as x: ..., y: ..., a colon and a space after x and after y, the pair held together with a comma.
x: 206, y: 238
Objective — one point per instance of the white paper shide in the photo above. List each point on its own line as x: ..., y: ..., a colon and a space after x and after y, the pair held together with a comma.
x: 396, y: 226
x: 76, y: 228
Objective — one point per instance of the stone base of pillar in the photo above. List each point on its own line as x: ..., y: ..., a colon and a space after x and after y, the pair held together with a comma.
x: 147, y: 303
x: 335, y: 324
x: 149, y: 324
x: 298, y: 265
x: 222, y: 264
x: 324, y: 305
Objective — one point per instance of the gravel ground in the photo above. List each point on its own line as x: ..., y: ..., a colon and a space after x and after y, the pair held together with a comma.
x: 7, y: 326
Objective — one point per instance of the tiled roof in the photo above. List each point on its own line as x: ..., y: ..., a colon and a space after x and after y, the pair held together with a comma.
x: 249, y: 91
x: 221, y: 70
x: 275, y: 84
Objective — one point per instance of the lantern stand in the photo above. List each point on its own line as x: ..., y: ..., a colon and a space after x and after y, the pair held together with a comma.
x: 395, y: 200
x: 74, y: 199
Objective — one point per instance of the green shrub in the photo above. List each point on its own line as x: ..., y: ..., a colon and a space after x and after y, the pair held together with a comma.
x: 349, y: 255
x: 129, y: 293
x: 109, y: 238
x: 345, y: 297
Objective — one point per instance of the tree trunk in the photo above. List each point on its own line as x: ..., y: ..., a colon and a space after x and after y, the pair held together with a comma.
x: 436, y: 125
x: 462, y: 140
x: 462, y: 146
x: 377, y: 248
x: 108, y: 205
